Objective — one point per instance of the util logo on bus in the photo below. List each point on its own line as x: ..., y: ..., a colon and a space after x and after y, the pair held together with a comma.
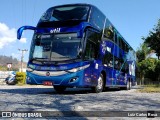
x: 56, y: 30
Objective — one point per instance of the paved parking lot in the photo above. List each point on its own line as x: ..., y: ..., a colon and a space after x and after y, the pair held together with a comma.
x: 44, y: 98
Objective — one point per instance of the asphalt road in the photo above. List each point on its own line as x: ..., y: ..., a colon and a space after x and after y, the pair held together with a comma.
x: 44, y: 98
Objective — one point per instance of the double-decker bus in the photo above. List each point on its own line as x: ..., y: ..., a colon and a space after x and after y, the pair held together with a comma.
x: 75, y: 45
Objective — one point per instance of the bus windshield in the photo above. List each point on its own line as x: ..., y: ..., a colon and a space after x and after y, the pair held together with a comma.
x: 66, y: 13
x: 58, y: 47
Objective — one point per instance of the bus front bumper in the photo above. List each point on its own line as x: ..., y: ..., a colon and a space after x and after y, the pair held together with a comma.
x: 69, y: 79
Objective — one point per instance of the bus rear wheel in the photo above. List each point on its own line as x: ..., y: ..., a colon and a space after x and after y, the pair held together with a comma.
x: 59, y: 89
x: 128, y: 86
x: 100, y: 86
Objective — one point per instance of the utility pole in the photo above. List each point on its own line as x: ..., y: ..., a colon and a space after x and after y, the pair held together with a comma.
x: 22, y: 56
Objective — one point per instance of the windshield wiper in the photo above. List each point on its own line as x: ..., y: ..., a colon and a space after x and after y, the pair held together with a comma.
x: 48, y: 61
x: 36, y: 58
x: 39, y: 59
x: 62, y: 57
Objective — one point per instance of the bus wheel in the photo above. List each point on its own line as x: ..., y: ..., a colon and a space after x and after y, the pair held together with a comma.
x: 59, y: 89
x: 128, y: 87
x: 100, y: 86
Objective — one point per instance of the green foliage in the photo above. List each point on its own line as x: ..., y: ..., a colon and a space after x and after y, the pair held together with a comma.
x: 151, y: 85
x: 157, y: 71
x: 2, y: 68
x: 153, y: 40
x: 142, y: 63
x: 21, y: 78
x: 143, y: 52
x: 150, y: 68
x: 148, y: 64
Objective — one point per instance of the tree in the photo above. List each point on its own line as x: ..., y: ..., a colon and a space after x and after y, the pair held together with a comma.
x: 147, y: 69
x: 153, y: 40
x: 157, y: 71
x: 143, y: 52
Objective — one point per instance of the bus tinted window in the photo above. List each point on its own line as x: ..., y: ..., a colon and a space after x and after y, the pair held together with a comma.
x: 108, y: 60
x: 120, y: 42
x: 115, y: 39
x: 123, y: 45
x: 97, y: 18
x: 92, y: 45
x: 66, y: 13
x: 108, y: 31
x: 93, y: 36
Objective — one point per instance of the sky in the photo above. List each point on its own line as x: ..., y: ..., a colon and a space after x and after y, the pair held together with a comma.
x: 132, y: 18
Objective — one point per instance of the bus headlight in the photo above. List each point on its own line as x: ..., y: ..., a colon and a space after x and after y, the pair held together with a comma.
x: 79, y: 68
x: 29, y: 69
x: 73, y: 70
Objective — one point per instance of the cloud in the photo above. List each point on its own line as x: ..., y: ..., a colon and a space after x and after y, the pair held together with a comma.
x: 23, y: 40
x: 8, y: 35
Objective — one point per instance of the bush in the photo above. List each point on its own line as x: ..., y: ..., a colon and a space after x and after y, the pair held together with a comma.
x: 150, y: 89
x: 157, y: 71
x: 21, y: 78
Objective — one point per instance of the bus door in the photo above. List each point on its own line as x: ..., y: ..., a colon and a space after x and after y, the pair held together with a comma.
x: 91, y: 54
x: 109, y: 63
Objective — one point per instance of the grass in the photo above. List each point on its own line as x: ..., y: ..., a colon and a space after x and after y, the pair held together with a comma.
x: 150, y: 89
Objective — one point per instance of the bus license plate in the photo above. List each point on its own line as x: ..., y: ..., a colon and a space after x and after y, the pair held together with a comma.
x: 47, y: 83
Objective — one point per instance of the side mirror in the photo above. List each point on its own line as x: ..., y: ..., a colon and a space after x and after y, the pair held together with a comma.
x: 20, y: 30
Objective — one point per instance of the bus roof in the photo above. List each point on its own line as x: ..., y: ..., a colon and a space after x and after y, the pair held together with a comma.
x: 78, y: 4
x: 90, y: 5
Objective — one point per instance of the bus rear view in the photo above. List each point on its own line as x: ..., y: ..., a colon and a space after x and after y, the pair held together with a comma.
x: 67, y: 50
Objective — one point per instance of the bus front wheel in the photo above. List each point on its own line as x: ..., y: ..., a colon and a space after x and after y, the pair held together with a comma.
x: 100, y: 86
x: 59, y: 89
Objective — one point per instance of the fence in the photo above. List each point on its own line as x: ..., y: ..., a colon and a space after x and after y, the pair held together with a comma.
x: 147, y: 81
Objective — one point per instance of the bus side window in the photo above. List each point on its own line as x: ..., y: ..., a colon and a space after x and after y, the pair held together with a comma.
x: 97, y: 18
x: 120, y: 42
x: 124, y: 67
x: 108, y: 32
x: 115, y: 38
x: 123, y: 45
x: 117, y: 63
x: 90, y: 52
x: 108, y: 59
x: 92, y: 45
x: 127, y: 49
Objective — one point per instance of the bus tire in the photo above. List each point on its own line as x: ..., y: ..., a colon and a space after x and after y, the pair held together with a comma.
x: 59, y: 89
x: 128, y: 87
x: 100, y: 86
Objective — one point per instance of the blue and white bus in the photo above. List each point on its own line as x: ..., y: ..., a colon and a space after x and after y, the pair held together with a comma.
x: 75, y: 45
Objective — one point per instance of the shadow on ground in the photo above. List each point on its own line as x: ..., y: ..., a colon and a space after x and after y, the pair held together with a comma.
x: 68, y: 91
x: 46, y: 99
